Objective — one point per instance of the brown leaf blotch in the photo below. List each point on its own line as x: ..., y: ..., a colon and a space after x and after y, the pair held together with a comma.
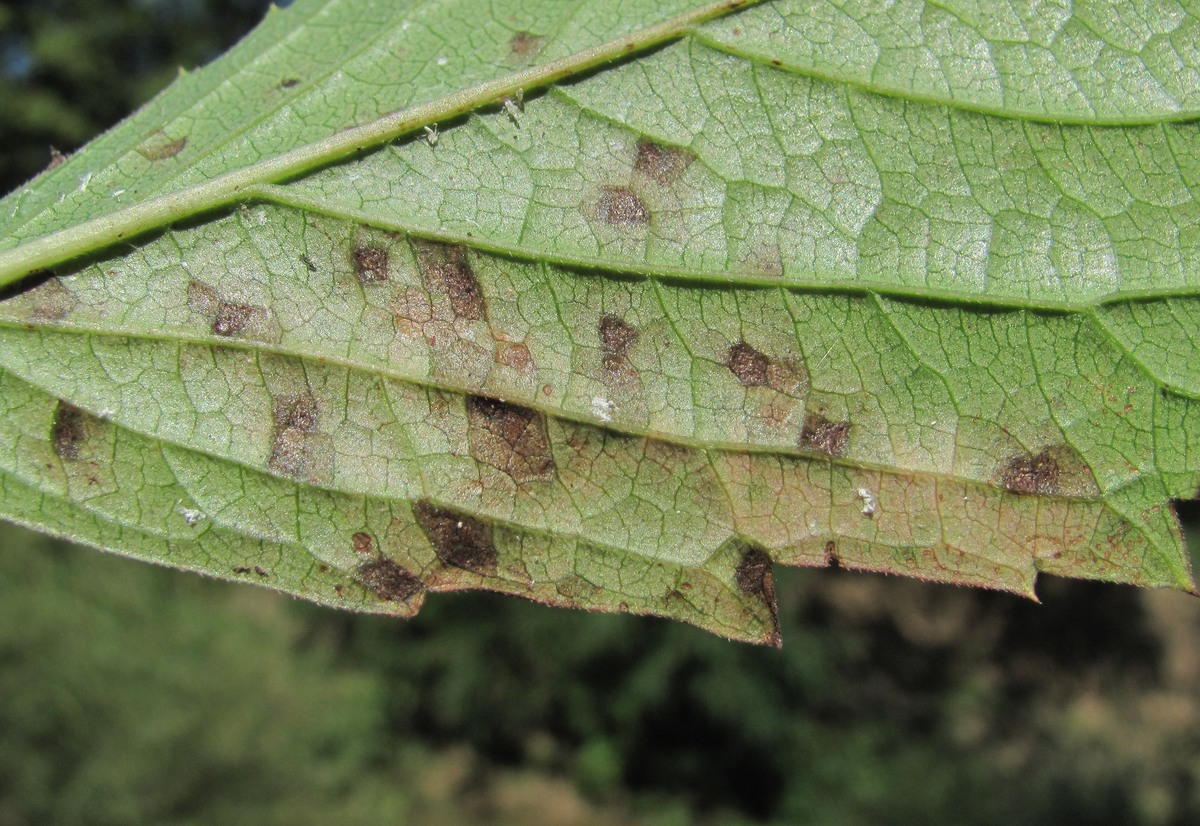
x: 363, y: 544
x: 159, y: 147
x: 446, y: 270
x: 824, y: 436
x: 522, y: 45
x: 230, y: 318
x: 617, y: 337
x: 621, y: 205
x: 370, y: 264
x: 69, y: 430
x: 295, y: 417
x: 509, y: 438
x: 389, y: 581
x: 1038, y: 474
x: 754, y: 576
x: 750, y: 366
x: 51, y: 301
x: 458, y: 540
x: 663, y: 164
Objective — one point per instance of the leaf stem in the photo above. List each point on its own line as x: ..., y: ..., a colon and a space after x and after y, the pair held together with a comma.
x: 123, y: 225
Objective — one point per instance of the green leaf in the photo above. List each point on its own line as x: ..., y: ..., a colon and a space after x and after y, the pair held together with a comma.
x: 663, y: 294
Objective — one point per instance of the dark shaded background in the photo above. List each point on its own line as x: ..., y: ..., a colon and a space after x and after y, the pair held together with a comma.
x: 134, y: 695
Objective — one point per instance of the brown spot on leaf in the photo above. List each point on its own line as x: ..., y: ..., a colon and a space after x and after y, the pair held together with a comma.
x: 389, y: 581
x: 458, y: 540
x: 663, y: 164
x: 446, y: 270
x: 69, y: 430
x: 754, y: 576
x: 159, y: 147
x: 516, y: 356
x: 617, y: 336
x: 230, y: 318
x: 51, y: 301
x: 621, y: 205
x: 748, y: 365
x: 523, y: 45
x: 289, y: 83
x: 370, y: 264
x: 57, y: 159
x: 824, y: 436
x: 295, y: 417
x: 509, y: 438
x: 1032, y: 473
x: 363, y: 544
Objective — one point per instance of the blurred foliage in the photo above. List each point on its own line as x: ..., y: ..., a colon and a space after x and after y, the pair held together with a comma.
x: 131, y: 694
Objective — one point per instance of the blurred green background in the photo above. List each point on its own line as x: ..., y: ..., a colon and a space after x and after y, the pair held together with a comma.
x: 136, y: 695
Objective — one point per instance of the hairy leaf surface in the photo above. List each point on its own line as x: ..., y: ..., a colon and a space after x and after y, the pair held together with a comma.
x: 613, y: 305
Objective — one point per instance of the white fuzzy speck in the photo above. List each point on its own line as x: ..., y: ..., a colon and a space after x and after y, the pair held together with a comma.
x: 431, y: 135
x: 84, y: 181
x: 442, y: 61
x: 192, y: 516
x: 603, y: 408
x: 870, y: 505
x: 105, y: 414
x: 117, y: 193
x: 404, y: 25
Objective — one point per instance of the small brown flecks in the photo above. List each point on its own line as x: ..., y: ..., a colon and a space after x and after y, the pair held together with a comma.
x: 370, y: 264
x: 389, y: 581
x: 516, y: 356
x: 363, y: 544
x: 57, y: 159
x: 242, y: 569
x: 621, y: 205
x: 523, y: 45
x: 663, y: 164
x: 446, y: 269
x: 202, y: 298
x: 458, y: 540
x: 159, y: 147
x: 748, y: 365
x: 1032, y: 474
x: 69, y: 430
x: 262, y: 573
x: 295, y: 417
x: 509, y: 438
x: 289, y: 83
x: 824, y: 436
x: 308, y: 263
x: 755, y: 577
x: 231, y: 319
x: 831, y: 556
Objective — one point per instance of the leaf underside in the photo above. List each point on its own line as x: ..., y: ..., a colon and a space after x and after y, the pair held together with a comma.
x: 911, y: 291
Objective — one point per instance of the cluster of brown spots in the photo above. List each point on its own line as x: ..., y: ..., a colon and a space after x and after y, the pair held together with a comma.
x: 748, y: 365
x: 523, y: 45
x: 617, y: 338
x: 1032, y: 474
x: 663, y: 164
x: 257, y: 569
x: 446, y: 270
x: 458, y: 540
x: 389, y: 581
x: 370, y: 264
x: 509, y: 438
x: 295, y: 417
x: 363, y: 544
x: 824, y: 436
x: 620, y: 205
x: 69, y: 431
x: 754, y: 576
x: 159, y: 147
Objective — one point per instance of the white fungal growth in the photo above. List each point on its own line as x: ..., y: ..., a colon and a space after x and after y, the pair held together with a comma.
x: 514, y: 113
x: 870, y: 504
x: 603, y: 408
x: 431, y: 135
x: 442, y: 61
x: 192, y: 516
